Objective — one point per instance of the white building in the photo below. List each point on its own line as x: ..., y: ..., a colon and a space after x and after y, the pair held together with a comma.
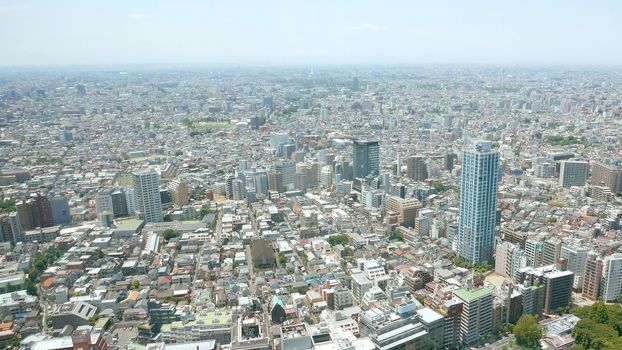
x: 147, y: 194
x: 611, y: 282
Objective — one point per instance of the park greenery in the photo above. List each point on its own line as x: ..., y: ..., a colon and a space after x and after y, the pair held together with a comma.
x: 566, y: 140
x: 600, y: 327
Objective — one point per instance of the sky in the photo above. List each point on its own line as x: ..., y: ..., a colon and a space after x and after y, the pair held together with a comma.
x: 297, y: 32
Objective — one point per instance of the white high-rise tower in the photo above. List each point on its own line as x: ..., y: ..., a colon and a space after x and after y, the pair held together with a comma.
x: 478, y: 203
x: 147, y: 194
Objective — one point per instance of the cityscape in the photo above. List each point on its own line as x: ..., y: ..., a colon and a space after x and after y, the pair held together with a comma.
x: 310, y: 206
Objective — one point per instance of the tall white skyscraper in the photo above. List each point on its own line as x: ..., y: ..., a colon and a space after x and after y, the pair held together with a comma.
x: 611, y: 282
x: 130, y: 198
x: 147, y: 194
x: 478, y: 203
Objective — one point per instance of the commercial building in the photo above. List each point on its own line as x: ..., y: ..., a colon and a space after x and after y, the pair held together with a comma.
x: 558, y: 290
x: 573, y: 173
x: 406, y: 209
x: 365, y: 158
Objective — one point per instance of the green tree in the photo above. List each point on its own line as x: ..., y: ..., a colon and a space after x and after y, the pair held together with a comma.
x: 282, y: 259
x: 30, y: 287
x: 528, y: 332
x: 599, y: 313
x: 99, y: 254
x: 338, y: 239
x: 134, y: 284
x: 396, y: 236
x: 170, y: 234
x: 593, y: 335
x: 7, y: 206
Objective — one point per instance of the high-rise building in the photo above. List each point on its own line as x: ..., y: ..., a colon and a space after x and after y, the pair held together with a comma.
x: 449, y: 161
x: 365, y: 158
x: 61, y: 214
x: 130, y: 199
x: 478, y: 203
x: 423, y: 222
x: 6, y: 232
x: 592, y: 276
x: 300, y: 181
x: 535, y: 252
x: 103, y: 203
x: 147, y: 194
x: 285, y: 170
x: 16, y: 228
x: 42, y: 211
x: 347, y: 170
x: 608, y: 176
x: 416, y: 168
x: 508, y: 259
x: 476, y: 318
x: 260, y: 182
x: 573, y: 173
x: 287, y: 150
x: 611, y: 281
x: 119, y: 203
x: 558, y: 290
x: 25, y: 215
x: 576, y: 258
x: 552, y: 251
x: 326, y: 176
x: 179, y: 192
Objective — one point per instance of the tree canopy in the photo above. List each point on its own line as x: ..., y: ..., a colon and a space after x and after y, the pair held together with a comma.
x: 600, y: 327
x: 528, y: 332
x: 169, y: 234
x: 338, y: 239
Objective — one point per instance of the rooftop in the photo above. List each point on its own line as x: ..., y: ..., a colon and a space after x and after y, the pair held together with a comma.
x: 470, y: 295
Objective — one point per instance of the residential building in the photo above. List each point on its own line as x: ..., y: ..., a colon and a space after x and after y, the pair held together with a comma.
x: 478, y: 203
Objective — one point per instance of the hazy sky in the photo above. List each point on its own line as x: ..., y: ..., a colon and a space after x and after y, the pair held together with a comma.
x: 262, y: 32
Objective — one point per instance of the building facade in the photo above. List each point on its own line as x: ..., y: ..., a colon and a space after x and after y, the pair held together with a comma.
x: 478, y: 203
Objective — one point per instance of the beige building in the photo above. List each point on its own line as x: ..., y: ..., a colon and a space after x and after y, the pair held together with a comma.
x: 406, y: 209
x: 179, y: 192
